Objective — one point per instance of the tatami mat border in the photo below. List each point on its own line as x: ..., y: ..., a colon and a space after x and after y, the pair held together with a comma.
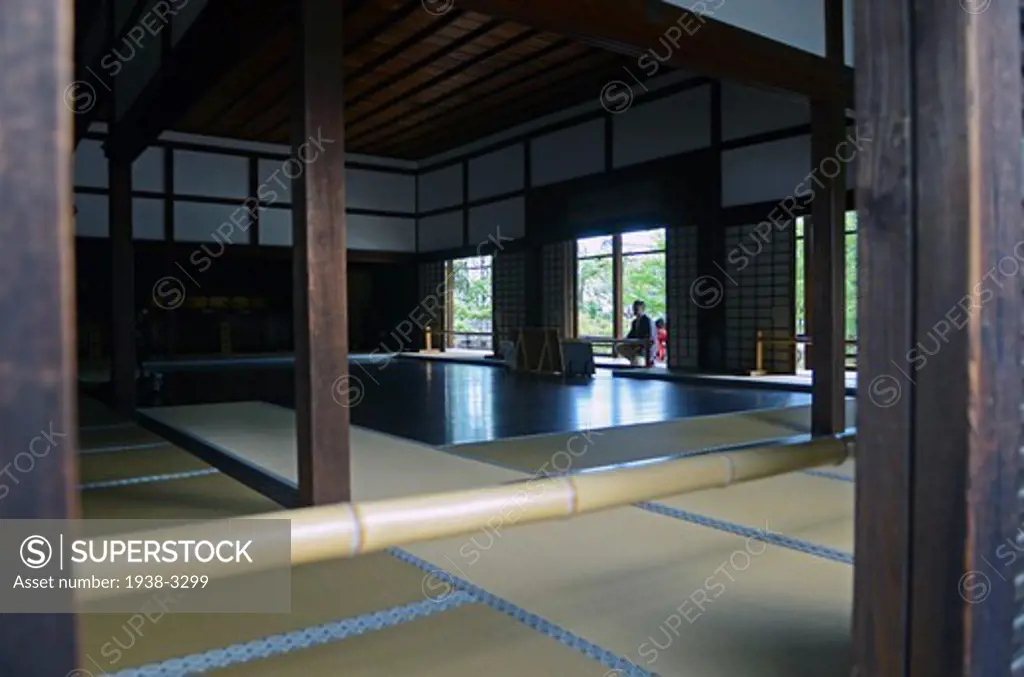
x: 106, y: 426
x: 764, y: 536
x: 146, y: 479
x: 297, y: 640
x: 124, y: 447
x: 830, y: 475
x: 618, y: 665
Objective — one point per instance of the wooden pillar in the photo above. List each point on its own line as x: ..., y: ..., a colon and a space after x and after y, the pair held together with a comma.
x: 828, y: 242
x: 37, y: 339
x: 940, y: 255
x: 169, y: 317
x: 711, y: 257
x: 617, y: 300
x: 827, y: 265
x: 123, y: 311
x: 324, y: 388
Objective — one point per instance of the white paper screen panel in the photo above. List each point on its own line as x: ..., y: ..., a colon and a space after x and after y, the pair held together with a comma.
x: 747, y: 111
x: 211, y: 174
x: 669, y: 126
x: 506, y: 219
x: 274, y: 186
x: 148, y: 171
x: 797, y: 23
x: 381, y: 233
x: 147, y: 219
x: 848, y: 31
x: 440, y: 188
x: 765, y: 172
x: 441, y: 231
x: 384, y: 191
x: 497, y: 173
x: 199, y: 222
x: 90, y: 164
x: 93, y: 217
x: 568, y: 153
x: 276, y: 227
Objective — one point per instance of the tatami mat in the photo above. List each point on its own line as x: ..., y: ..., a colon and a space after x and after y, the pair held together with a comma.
x: 107, y: 437
x: 136, y: 463
x: 624, y: 578
x: 608, y: 446
x: 263, y: 435
x: 320, y: 593
x: 792, y: 504
x: 471, y: 641
x: 209, y: 497
x: 93, y: 412
x: 674, y: 597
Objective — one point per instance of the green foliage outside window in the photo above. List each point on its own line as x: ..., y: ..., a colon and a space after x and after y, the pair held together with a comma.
x: 851, y: 277
x: 643, y: 277
x: 472, y: 305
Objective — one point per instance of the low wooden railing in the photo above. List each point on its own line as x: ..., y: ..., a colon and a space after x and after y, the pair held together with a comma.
x: 794, y: 341
x: 428, y: 333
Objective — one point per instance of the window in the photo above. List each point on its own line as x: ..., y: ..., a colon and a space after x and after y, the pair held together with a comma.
x: 851, y: 281
x: 643, y: 273
x: 471, y: 303
x: 595, y: 287
x: 613, y: 271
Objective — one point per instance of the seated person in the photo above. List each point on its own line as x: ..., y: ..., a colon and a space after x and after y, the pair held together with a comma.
x: 643, y: 329
x: 662, y: 340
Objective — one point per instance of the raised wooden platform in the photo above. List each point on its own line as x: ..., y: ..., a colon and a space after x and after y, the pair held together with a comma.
x: 744, y: 580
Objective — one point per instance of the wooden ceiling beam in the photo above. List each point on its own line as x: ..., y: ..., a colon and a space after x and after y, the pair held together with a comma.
x: 407, y: 96
x: 570, y: 83
x: 235, y: 91
x: 420, y: 64
x: 386, y: 24
x: 205, y: 54
x: 384, y: 57
x: 439, y: 108
x: 275, y: 115
x: 701, y: 43
x: 86, y: 100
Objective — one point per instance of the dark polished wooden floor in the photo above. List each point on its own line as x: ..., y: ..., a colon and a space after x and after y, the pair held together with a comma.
x: 442, y: 403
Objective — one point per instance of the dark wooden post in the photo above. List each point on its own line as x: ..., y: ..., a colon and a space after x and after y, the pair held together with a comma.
x: 711, y: 259
x: 941, y: 256
x: 123, y: 359
x: 828, y: 266
x: 324, y: 388
x: 37, y: 339
x: 618, y: 303
x: 828, y: 244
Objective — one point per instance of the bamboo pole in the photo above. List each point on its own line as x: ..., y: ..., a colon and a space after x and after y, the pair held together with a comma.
x: 351, y: 529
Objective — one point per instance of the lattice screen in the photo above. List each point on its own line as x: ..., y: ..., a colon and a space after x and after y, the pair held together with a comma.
x: 558, y: 286
x: 759, y: 270
x: 509, y: 294
x: 433, y: 295
x: 681, y: 260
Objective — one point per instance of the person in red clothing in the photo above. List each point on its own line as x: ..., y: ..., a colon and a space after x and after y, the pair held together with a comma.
x: 662, y: 341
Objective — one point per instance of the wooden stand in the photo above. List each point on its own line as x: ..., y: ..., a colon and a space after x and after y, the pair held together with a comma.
x: 538, y: 350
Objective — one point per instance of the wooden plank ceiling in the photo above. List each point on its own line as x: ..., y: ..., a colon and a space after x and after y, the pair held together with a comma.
x: 421, y: 77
